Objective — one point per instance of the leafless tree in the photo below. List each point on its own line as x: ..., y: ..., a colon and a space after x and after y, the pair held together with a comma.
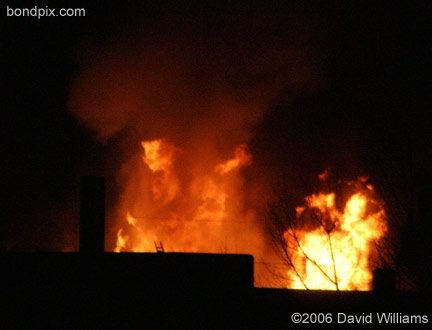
x: 284, y: 226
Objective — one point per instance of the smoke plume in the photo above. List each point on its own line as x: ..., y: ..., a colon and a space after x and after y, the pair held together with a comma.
x: 197, y: 85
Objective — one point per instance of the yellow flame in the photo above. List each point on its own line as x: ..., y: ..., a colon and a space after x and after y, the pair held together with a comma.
x: 336, y: 257
x: 157, y: 155
x: 121, y: 241
x: 130, y: 219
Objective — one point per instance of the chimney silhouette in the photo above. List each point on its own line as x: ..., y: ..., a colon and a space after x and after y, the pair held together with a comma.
x: 92, y: 214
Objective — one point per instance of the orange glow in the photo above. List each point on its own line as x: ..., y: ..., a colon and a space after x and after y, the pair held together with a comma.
x: 121, y: 241
x: 192, y: 201
x: 193, y: 208
x: 336, y: 253
x: 159, y: 156
x: 242, y: 158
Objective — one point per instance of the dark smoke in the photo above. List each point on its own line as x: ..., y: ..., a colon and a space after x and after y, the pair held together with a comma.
x: 202, y: 78
x: 197, y: 74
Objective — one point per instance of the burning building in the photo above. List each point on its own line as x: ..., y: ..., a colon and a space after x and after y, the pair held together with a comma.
x: 184, y: 118
x: 98, y: 289
x: 211, y: 122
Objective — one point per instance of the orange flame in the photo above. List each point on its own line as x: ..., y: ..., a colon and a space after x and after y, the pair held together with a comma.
x: 242, y: 158
x: 197, y: 214
x: 159, y: 159
x: 199, y: 208
x: 336, y: 253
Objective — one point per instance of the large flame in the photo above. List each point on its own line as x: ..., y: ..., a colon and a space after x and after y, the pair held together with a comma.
x: 202, y: 209
x: 197, y: 210
x: 336, y: 253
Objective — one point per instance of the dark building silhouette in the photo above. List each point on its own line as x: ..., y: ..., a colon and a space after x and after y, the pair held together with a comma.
x: 164, y: 290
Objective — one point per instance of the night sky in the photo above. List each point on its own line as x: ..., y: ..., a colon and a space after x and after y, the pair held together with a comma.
x: 362, y: 109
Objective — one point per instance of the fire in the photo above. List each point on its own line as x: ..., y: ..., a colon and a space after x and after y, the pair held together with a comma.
x: 192, y: 203
x: 336, y: 252
x: 242, y: 158
x: 193, y: 208
x: 159, y: 159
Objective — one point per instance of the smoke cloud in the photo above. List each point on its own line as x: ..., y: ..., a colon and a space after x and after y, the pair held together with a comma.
x: 202, y: 83
x: 188, y: 79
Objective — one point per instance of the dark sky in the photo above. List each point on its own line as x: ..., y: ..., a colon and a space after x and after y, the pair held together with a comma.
x: 368, y: 103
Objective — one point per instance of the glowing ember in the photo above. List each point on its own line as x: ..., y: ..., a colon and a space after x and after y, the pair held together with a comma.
x: 336, y: 252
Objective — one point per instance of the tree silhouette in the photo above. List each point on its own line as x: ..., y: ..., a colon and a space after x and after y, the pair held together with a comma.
x: 284, y: 230
x: 288, y: 225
